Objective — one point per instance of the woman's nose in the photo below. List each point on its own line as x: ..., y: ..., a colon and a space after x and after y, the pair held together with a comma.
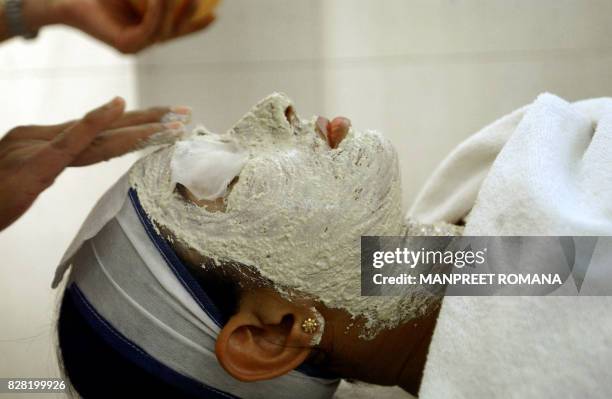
x: 335, y: 131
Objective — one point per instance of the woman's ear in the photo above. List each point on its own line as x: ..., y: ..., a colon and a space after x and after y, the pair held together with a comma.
x: 264, y: 339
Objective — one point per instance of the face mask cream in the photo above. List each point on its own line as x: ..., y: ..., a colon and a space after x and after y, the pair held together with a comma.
x: 296, y: 211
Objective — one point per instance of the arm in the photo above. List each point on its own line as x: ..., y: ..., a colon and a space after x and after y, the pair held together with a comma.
x: 32, y: 157
x: 118, y: 23
x: 35, y: 16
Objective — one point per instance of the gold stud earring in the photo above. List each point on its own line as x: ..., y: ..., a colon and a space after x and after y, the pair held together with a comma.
x: 310, y: 325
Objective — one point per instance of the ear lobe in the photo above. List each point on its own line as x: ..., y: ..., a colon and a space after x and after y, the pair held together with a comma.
x: 252, y: 351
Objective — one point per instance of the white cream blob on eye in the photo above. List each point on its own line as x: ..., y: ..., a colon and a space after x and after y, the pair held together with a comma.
x: 297, y: 211
x: 206, y: 164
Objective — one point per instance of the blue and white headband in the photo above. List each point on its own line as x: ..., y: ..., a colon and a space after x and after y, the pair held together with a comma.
x: 140, y: 298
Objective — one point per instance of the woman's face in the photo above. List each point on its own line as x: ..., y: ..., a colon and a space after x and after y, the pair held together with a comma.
x: 304, y: 195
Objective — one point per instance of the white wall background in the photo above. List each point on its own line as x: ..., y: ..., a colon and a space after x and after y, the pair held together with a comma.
x: 427, y: 73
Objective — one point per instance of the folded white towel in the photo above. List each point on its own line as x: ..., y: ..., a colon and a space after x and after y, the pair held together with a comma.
x: 548, y: 164
x: 544, y: 169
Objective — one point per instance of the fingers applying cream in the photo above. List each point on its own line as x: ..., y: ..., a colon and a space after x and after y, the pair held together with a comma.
x: 178, y: 114
x: 172, y: 132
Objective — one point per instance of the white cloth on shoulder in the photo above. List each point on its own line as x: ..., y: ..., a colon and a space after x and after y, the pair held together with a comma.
x: 545, y: 169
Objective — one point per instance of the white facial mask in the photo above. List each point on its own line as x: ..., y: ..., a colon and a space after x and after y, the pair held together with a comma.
x: 297, y: 211
x: 206, y: 164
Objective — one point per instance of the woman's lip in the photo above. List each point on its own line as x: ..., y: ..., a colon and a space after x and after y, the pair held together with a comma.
x: 337, y: 131
x: 322, y: 127
x: 333, y: 132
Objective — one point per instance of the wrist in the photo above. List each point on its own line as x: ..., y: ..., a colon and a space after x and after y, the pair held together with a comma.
x: 38, y: 13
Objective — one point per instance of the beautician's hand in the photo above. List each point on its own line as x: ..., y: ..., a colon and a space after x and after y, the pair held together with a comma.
x: 31, y: 157
x: 127, y: 25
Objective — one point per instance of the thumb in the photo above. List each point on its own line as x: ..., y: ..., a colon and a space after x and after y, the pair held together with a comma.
x: 134, y: 38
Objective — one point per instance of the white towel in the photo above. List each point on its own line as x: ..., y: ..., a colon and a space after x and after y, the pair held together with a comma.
x: 544, y: 169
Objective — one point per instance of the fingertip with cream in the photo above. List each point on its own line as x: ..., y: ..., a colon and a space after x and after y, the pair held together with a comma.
x: 178, y: 114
